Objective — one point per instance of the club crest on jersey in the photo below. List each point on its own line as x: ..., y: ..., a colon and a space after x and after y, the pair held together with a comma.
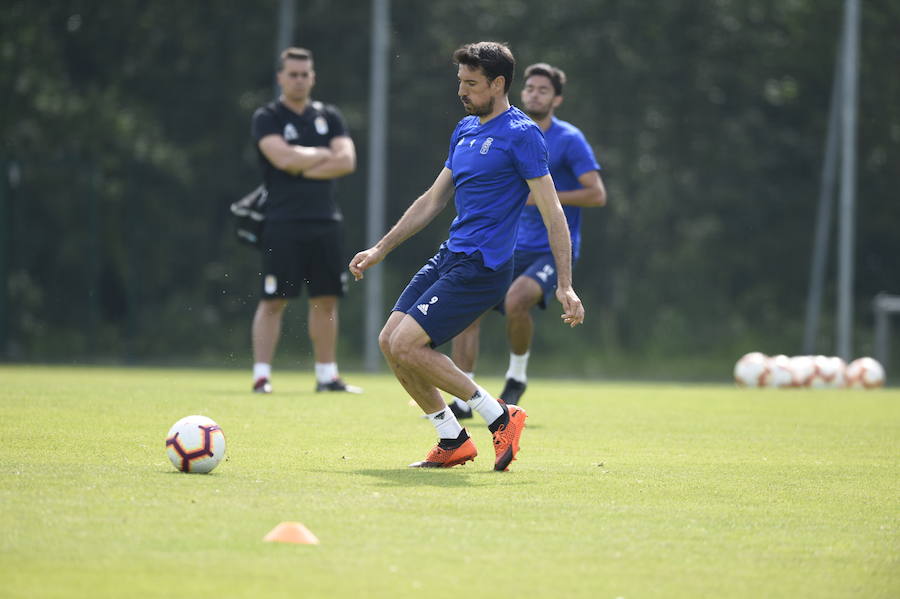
x: 486, y: 145
x: 321, y: 125
x: 290, y: 132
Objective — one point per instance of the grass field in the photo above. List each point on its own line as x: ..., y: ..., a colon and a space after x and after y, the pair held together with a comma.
x: 621, y: 490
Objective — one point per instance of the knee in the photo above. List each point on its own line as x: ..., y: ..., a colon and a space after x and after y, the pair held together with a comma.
x: 384, y: 341
x: 272, y: 307
x: 517, y: 305
x: 400, y: 350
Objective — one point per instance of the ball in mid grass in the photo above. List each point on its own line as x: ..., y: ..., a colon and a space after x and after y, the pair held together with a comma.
x: 865, y: 373
x: 803, y: 369
x: 780, y: 373
x: 751, y: 369
x: 195, y: 444
x: 829, y: 372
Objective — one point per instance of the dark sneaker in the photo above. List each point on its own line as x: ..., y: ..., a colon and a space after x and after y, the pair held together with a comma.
x: 506, y: 438
x: 439, y: 457
x: 262, y: 385
x: 512, y: 391
x: 460, y: 412
x: 338, y: 385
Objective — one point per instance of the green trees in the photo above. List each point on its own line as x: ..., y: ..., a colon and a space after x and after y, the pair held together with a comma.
x: 127, y: 127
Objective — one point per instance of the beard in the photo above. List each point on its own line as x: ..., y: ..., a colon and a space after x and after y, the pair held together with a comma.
x: 483, y: 110
x: 537, y: 114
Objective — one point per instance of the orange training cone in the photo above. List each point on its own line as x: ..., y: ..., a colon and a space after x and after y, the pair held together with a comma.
x: 291, y: 532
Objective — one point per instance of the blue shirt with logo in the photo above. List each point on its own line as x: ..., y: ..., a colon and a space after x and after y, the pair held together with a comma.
x: 570, y: 157
x: 490, y: 163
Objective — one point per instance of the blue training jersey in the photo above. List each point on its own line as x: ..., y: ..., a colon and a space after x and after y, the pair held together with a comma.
x: 490, y: 163
x: 570, y: 157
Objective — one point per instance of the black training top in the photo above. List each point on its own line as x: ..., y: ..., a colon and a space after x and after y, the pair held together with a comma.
x: 294, y: 197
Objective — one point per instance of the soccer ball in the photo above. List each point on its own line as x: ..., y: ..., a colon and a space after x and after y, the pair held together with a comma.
x: 751, y: 369
x: 829, y: 372
x: 780, y: 373
x: 804, y: 370
x: 195, y: 444
x: 865, y: 373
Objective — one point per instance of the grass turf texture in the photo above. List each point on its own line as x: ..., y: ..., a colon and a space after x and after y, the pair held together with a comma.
x: 621, y: 490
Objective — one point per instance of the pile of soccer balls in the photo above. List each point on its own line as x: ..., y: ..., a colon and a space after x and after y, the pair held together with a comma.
x: 759, y: 370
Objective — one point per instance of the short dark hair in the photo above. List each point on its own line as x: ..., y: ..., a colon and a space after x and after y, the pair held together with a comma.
x: 294, y: 54
x: 556, y: 76
x: 494, y: 58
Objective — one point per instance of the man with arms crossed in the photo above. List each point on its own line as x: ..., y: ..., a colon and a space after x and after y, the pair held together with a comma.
x: 576, y: 176
x: 497, y: 155
x: 303, y: 147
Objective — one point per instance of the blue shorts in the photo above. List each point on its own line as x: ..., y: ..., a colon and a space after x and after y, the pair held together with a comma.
x: 539, y: 266
x: 451, y: 291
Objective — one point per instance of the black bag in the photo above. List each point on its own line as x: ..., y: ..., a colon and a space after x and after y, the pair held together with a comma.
x: 250, y: 216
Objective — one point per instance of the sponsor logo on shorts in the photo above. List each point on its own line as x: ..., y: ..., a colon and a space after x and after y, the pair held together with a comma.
x: 270, y: 284
x: 486, y: 145
x: 545, y: 273
x: 423, y: 308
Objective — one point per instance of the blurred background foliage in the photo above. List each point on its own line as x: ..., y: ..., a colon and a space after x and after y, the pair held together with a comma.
x: 125, y: 136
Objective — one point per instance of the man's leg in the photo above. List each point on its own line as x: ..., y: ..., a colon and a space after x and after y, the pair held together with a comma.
x: 464, y: 353
x: 522, y: 296
x: 425, y: 370
x: 265, y: 332
x: 323, y: 332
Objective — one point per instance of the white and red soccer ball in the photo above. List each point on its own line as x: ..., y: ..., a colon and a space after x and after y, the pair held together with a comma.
x: 829, y: 372
x: 195, y: 444
x: 864, y: 373
x: 751, y: 370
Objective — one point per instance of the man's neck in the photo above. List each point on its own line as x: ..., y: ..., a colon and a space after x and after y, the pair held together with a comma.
x: 544, y: 123
x: 294, y: 105
x: 501, y: 106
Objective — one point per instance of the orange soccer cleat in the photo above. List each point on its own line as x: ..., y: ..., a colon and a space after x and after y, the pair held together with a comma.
x: 439, y: 457
x: 506, y: 438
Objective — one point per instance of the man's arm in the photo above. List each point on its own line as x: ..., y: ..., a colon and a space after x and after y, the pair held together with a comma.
x: 291, y: 159
x: 341, y: 162
x: 592, y: 192
x: 417, y: 216
x: 560, y: 244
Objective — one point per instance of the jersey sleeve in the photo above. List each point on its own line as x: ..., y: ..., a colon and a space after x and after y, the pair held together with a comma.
x: 580, y: 155
x: 530, y: 154
x: 336, y: 123
x: 264, y: 123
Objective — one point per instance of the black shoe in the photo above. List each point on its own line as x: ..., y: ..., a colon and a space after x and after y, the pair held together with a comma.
x: 338, y: 385
x: 262, y: 385
x: 460, y: 413
x: 512, y: 391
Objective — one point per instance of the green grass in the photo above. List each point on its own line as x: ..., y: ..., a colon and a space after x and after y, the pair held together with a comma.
x: 621, y: 490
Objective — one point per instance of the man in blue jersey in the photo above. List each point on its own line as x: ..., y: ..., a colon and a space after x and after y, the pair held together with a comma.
x: 497, y: 159
x: 576, y: 176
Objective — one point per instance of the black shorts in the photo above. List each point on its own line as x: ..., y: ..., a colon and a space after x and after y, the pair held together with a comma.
x: 303, y: 252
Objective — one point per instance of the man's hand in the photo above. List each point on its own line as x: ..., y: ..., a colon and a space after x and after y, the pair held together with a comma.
x: 364, y: 260
x: 573, y: 311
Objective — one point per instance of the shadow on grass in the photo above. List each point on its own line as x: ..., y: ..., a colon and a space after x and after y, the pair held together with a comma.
x: 434, y: 477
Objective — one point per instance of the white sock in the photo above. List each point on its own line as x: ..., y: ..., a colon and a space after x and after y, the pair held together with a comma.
x: 517, y: 367
x: 445, y: 423
x: 460, y: 401
x: 326, y: 371
x: 486, y: 406
x: 261, y: 370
